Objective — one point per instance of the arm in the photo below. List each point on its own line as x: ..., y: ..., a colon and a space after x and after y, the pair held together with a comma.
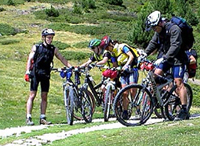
x: 175, y: 42
x: 30, y: 58
x: 105, y: 59
x: 130, y: 58
x: 153, y: 44
x: 86, y: 63
x: 61, y: 58
x: 192, y: 60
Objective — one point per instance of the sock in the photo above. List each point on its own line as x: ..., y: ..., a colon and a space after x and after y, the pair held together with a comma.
x: 184, y: 107
x: 28, y: 116
x: 125, y: 112
x: 42, y: 116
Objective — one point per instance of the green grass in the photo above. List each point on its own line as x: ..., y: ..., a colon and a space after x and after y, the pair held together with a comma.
x: 20, y: 32
x: 169, y: 133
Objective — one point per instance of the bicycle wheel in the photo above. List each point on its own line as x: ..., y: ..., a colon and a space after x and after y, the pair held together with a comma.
x: 69, y: 104
x: 86, y: 106
x: 173, y: 104
x: 108, y: 102
x: 140, y: 107
x: 78, y: 113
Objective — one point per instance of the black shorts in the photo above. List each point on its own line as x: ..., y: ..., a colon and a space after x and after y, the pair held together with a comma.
x: 44, y: 83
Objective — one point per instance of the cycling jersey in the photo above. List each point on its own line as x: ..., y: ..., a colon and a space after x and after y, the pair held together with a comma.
x: 100, y: 57
x: 120, y: 52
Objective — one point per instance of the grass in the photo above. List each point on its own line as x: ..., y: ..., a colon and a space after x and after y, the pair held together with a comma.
x: 71, y: 38
x: 169, y: 133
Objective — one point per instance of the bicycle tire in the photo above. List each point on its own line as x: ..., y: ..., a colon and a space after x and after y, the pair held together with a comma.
x: 87, y: 107
x: 142, y: 99
x: 173, y: 104
x: 69, y: 104
x: 108, y: 102
x: 78, y: 112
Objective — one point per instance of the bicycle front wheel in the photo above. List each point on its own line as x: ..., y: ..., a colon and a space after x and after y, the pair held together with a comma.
x: 108, y: 102
x: 140, y: 105
x: 87, y: 105
x: 69, y: 104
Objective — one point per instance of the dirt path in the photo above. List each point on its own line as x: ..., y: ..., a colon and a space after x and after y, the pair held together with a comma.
x: 49, y: 138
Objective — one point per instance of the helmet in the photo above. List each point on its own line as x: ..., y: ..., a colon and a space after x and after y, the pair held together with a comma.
x: 94, y: 43
x: 47, y: 31
x: 153, y: 19
x: 105, y: 42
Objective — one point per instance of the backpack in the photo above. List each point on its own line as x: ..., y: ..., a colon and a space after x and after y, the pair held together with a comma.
x: 43, y: 60
x: 187, y: 32
x: 192, y: 67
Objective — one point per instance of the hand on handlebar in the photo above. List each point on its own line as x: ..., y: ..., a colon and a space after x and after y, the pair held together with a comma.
x: 158, y: 61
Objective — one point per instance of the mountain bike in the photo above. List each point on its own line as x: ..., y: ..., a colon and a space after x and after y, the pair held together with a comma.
x: 111, y: 90
x: 148, y: 97
x: 76, y: 100
x: 94, y: 90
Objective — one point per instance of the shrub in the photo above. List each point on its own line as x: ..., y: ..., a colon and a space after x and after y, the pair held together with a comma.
x: 114, y: 2
x: 10, y: 3
x: 60, y: 45
x: 2, y: 9
x: 72, y: 55
x: 6, y: 29
x: 77, y: 8
x: 7, y: 42
x: 88, y: 4
x: 52, y: 12
x: 81, y: 45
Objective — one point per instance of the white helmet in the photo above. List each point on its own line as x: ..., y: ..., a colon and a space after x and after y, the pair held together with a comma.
x: 47, y: 31
x: 153, y: 19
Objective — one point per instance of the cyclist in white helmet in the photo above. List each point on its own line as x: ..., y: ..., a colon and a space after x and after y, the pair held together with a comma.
x: 38, y: 71
x: 167, y: 38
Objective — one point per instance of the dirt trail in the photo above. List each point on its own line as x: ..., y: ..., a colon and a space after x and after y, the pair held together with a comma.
x: 50, y: 137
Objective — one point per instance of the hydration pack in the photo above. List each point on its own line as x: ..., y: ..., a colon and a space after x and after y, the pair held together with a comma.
x: 187, y: 32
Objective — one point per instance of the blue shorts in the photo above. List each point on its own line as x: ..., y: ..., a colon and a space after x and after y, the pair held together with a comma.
x: 130, y: 78
x: 177, y: 70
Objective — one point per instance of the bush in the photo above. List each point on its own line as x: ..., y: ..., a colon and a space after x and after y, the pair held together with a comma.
x: 72, y: 55
x: 114, y: 2
x: 7, y: 42
x: 81, y: 45
x: 2, y: 9
x: 88, y: 4
x: 52, y: 12
x: 77, y: 8
x: 6, y: 29
x: 10, y: 3
x: 60, y: 45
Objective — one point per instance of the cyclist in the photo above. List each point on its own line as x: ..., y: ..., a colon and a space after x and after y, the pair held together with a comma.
x: 169, y: 43
x: 127, y: 58
x: 192, y: 62
x: 100, y: 56
x: 40, y: 58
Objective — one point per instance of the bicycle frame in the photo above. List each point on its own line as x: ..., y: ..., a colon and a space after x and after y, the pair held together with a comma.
x: 150, y: 80
x: 89, y: 83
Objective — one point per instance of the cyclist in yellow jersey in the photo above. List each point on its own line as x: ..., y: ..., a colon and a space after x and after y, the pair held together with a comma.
x: 100, y: 56
x: 127, y: 58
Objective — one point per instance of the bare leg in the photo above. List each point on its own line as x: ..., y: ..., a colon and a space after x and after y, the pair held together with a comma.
x: 29, y: 104
x: 43, y: 104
